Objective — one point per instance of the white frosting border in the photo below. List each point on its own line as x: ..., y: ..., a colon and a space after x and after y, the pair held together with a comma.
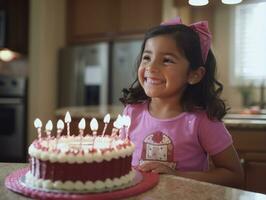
x: 88, y: 186
x: 88, y: 157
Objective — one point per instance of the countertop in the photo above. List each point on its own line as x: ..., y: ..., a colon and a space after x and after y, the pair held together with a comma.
x: 230, y: 120
x: 90, y: 111
x: 169, y: 187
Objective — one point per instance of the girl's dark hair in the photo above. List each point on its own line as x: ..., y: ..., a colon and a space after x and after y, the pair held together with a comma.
x: 204, y: 95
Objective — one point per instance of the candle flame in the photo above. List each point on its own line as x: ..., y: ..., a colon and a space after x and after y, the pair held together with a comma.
x: 127, y: 121
x: 37, y: 123
x: 67, y: 117
x: 118, y: 123
x: 94, y: 124
x: 106, y: 119
x: 60, y: 124
x: 119, y: 117
x: 49, y: 126
x: 82, y: 124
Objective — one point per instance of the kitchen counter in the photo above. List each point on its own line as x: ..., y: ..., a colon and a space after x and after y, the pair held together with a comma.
x: 169, y: 187
x: 90, y: 111
x: 242, y: 120
x: 245, y: 123
x: 230, y: 120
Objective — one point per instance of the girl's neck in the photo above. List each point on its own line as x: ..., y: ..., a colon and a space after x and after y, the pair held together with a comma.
x: 164, y: 109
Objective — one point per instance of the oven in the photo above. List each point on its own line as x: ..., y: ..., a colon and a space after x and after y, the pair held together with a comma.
x: 12, y: 119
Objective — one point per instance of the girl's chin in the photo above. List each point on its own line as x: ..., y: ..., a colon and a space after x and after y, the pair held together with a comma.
x: 151, y: 94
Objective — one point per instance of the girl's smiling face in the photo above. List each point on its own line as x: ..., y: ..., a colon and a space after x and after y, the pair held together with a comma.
x: 163, y: 71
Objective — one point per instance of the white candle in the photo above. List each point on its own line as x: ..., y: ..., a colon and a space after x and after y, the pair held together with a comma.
x: 127, y: 123
x: 118, y: 124
x: 94, y: 127
x: 48, y: 129
x: 82, y: 125
x: 67, y: 121
x: 60, y: 126
x: 106, y: 121
x: 38, y: 126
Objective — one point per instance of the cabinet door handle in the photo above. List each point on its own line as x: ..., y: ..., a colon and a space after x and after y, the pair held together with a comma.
x: 242, y: 161
x: 10, y: 101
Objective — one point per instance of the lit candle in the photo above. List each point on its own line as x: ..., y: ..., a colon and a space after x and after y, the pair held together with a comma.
x: 38, y: 125
x: 67, y: 121
x: 82, y: 125
x: 60, y: 126
x: 106, y: 121
x: 118, y: 124
x: 127, y: 123
x: 94, y: 127
x: 48, y: 129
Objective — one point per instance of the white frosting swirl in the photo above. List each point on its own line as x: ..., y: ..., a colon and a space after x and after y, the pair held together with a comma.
x: 69, y: 149
x: 97, y: 186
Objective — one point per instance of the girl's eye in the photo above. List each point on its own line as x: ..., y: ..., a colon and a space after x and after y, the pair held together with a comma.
x: 168, y: 60
x: 146, y: 58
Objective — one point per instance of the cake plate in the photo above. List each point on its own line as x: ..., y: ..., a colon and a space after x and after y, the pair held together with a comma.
x: 142, y: 182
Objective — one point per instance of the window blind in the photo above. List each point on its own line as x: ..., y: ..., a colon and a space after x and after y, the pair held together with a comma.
x: 250, y: 43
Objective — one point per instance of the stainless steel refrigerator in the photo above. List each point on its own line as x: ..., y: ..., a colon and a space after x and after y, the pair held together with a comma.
x: 123, y: 68
x: 95, y: 74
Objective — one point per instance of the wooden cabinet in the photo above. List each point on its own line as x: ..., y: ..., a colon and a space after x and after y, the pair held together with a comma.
x: 105, y: 19
x: 14, y: 25
x: 90, y: 19
x: 256, y: 175
x: 251, y: 147
x: 136, y: 16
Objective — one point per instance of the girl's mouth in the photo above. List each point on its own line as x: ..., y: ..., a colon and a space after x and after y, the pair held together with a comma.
x: 153, y: 81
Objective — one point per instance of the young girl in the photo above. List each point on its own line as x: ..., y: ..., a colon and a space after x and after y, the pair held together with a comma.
x: 176, y: 109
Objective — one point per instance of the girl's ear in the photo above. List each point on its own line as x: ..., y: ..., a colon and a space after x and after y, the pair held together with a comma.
x: 195, y: 76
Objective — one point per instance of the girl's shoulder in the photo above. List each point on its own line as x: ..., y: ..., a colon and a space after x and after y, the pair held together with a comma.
x: 202, y: 115
x: 207, y: 124
x: 135, y: 108
x: 203, y: 121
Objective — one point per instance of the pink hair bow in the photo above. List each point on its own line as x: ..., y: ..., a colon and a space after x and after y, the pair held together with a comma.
x: 202, y: 29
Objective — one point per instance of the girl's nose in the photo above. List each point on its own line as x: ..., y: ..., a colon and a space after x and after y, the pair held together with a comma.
x: 153, y: 67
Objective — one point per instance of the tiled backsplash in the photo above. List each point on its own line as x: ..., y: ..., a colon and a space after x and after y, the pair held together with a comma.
x: 17, y: 67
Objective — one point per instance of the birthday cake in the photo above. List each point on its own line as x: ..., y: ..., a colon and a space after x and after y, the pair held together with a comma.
x: 87, y: 163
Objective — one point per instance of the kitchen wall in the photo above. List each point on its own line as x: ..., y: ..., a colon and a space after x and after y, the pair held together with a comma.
x: 47, y: 35
x: 222, y: 50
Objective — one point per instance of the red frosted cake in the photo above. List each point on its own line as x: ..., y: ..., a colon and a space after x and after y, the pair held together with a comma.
x: 80, y: 163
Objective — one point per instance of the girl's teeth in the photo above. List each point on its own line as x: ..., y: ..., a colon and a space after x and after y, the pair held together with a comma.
x: 152, y: 81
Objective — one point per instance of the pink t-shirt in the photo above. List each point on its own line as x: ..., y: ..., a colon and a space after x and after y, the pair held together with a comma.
x: 183, y: 142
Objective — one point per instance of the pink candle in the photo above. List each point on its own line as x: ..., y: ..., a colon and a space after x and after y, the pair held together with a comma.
x: 60, y: 127
x: 38, y: 126
x: 94, y: 127
x: 106, y: 121
x: 82, y: 125
x: 127, y: 121
x: 67, y: 121
x: 118, y: 124
x: 48, y: 129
